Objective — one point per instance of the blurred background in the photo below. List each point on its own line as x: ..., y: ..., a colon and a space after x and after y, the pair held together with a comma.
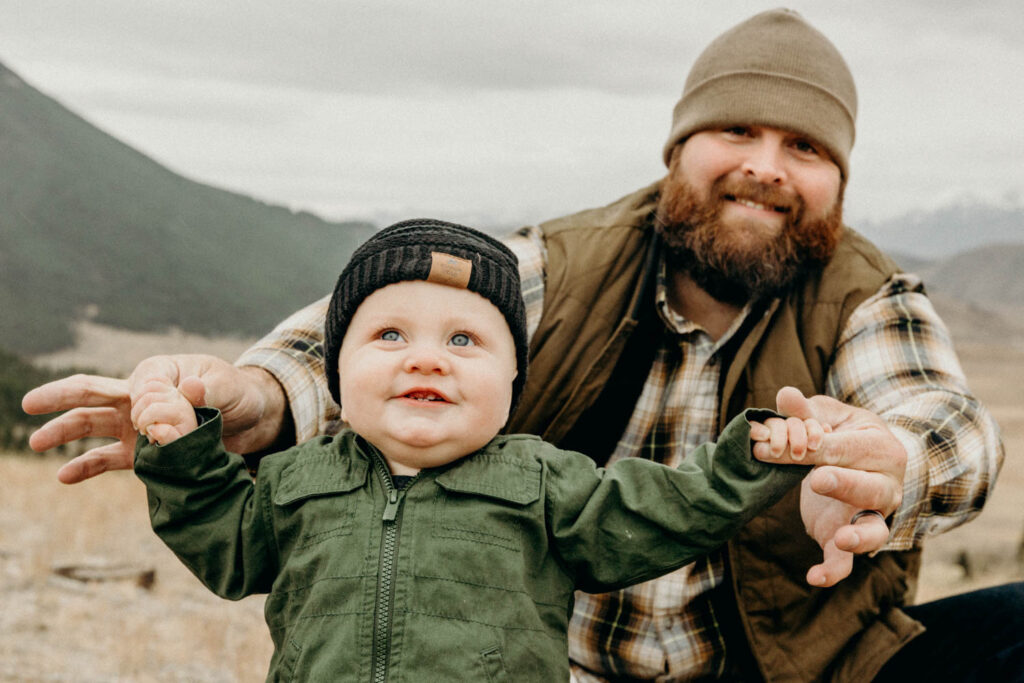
x: 179, y: 176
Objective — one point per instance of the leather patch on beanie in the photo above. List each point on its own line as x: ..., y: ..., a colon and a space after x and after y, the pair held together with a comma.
x: 446, y: 269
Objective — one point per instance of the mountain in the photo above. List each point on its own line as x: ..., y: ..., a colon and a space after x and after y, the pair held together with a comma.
x: 90, y: 227
x: 991, y: 275
x: 971, y: 258
x: 979, y: 292
x: 945, y: 231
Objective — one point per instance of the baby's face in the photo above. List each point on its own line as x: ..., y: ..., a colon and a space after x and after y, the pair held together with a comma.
x: 425, y: 372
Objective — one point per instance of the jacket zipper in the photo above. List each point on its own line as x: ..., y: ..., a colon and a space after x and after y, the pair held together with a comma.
x: 387, y: 569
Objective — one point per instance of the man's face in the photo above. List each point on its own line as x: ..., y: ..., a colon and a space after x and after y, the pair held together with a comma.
x: 744, y: 207
x: 426, y: 373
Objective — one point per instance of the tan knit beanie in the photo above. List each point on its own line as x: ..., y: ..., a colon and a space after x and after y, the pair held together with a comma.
x: 776, y: 70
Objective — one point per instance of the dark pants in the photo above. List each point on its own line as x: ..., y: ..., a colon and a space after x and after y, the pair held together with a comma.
x: 976, y: 636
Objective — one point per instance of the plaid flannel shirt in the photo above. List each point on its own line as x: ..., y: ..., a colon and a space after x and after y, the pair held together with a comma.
x: 894, y: 358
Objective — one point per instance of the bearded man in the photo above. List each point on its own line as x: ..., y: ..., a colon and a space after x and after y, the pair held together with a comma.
x: 655, y: 319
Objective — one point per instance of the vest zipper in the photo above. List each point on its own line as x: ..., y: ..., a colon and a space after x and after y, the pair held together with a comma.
x: 387, y: 569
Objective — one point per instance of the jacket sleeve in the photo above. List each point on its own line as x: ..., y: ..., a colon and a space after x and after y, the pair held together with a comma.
x: 637, y: 519
x: 204, y: 506
x: 895, y: 358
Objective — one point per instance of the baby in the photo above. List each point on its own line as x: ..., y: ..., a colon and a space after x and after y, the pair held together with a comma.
x: 420, y: 544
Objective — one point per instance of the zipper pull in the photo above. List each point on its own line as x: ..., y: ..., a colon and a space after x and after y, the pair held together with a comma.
x: 391, y: 509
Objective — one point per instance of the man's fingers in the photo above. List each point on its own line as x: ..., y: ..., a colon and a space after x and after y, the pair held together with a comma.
x: 861, y: 490
x: 869, y: 450
x: 791, y: 402
x: 193, y: 389
x: 115, y: 456
x: 836, y: 565
x: 75, y: 391
x: 77, y: 424
x: 867, y: 535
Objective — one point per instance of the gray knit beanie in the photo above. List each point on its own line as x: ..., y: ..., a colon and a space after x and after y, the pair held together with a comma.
x: 775, y: 70
x: 436, y: 251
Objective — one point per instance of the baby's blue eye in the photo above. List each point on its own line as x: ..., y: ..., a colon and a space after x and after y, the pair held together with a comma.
x: 391, y: 335
x: 461, y: 339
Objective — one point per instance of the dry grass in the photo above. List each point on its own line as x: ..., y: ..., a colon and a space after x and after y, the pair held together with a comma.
x: 991, y: 545
x: 55, y: 629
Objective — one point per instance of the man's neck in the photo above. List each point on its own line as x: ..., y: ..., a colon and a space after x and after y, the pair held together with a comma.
x: 686, y: 298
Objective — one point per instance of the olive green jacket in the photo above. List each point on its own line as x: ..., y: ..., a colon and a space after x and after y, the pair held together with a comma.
x: 467, y: 573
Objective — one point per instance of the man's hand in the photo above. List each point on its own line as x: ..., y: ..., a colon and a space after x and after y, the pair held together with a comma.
x: 251, y: 402
x: 860, y: 466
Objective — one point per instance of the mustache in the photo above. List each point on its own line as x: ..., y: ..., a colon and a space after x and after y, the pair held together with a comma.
x: 729, y: 262
x: 783, y: 202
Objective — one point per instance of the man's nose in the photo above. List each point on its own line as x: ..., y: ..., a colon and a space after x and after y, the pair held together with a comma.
x: 765, y: 161
x: 426, y: 359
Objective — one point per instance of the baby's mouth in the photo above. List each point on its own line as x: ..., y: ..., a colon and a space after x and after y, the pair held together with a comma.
x: 425, y: 396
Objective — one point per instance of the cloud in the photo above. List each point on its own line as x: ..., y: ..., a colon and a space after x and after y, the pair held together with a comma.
x: 524, y: 108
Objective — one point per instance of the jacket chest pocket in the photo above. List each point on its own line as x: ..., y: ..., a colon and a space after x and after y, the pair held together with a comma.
x: 486, y: 501
x: 315, y: 501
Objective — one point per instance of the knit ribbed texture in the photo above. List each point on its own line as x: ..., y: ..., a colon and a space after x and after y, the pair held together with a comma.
x: 404, y: 251
x: 775, y: 70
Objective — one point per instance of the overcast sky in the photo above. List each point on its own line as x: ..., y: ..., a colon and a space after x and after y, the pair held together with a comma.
x: 505, y: 112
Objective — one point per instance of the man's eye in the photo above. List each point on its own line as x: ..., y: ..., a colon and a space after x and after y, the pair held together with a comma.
x: 738, y: 130
x: 391, y: 335
x: 805, y: 146
x: 461, y: 339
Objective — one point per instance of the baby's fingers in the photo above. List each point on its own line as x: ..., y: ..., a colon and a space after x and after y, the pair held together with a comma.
x: 815, y: 433
x: 163, y: 433
x: 759, y: 431
x: 777, y: 437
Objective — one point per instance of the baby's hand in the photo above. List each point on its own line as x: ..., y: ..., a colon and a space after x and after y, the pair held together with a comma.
x: 790, y: 436
x: 162, y: 413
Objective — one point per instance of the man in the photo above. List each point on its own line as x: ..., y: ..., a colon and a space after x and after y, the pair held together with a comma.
x: 655, y: 319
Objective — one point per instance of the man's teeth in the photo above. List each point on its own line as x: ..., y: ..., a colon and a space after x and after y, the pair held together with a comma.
x: 749, y: 203
x: 752, y: 205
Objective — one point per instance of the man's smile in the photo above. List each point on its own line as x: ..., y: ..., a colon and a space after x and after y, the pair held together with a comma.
x: 758, y: 206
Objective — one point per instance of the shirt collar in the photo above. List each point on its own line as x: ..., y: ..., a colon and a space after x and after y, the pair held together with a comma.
x: 678, y: 324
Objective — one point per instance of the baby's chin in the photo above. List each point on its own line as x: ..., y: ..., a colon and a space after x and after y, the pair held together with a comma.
x: 421, y: 450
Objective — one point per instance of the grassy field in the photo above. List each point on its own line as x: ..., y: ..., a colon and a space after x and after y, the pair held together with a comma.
x: 57, y: 629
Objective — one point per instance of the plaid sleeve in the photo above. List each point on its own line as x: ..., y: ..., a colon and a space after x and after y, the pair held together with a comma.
x: 528, y: 246
x: 895, y: 358
x: 293, y: 351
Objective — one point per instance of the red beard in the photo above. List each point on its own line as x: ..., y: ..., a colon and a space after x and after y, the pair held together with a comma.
x: 735, y: 263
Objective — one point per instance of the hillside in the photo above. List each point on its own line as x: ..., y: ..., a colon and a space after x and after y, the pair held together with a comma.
x: 942, y: 232
x: 991, y: 274
x: 91, y: 228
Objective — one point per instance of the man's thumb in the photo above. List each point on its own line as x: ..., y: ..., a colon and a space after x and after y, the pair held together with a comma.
x: 193, y: 389
x: 791, y: 402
